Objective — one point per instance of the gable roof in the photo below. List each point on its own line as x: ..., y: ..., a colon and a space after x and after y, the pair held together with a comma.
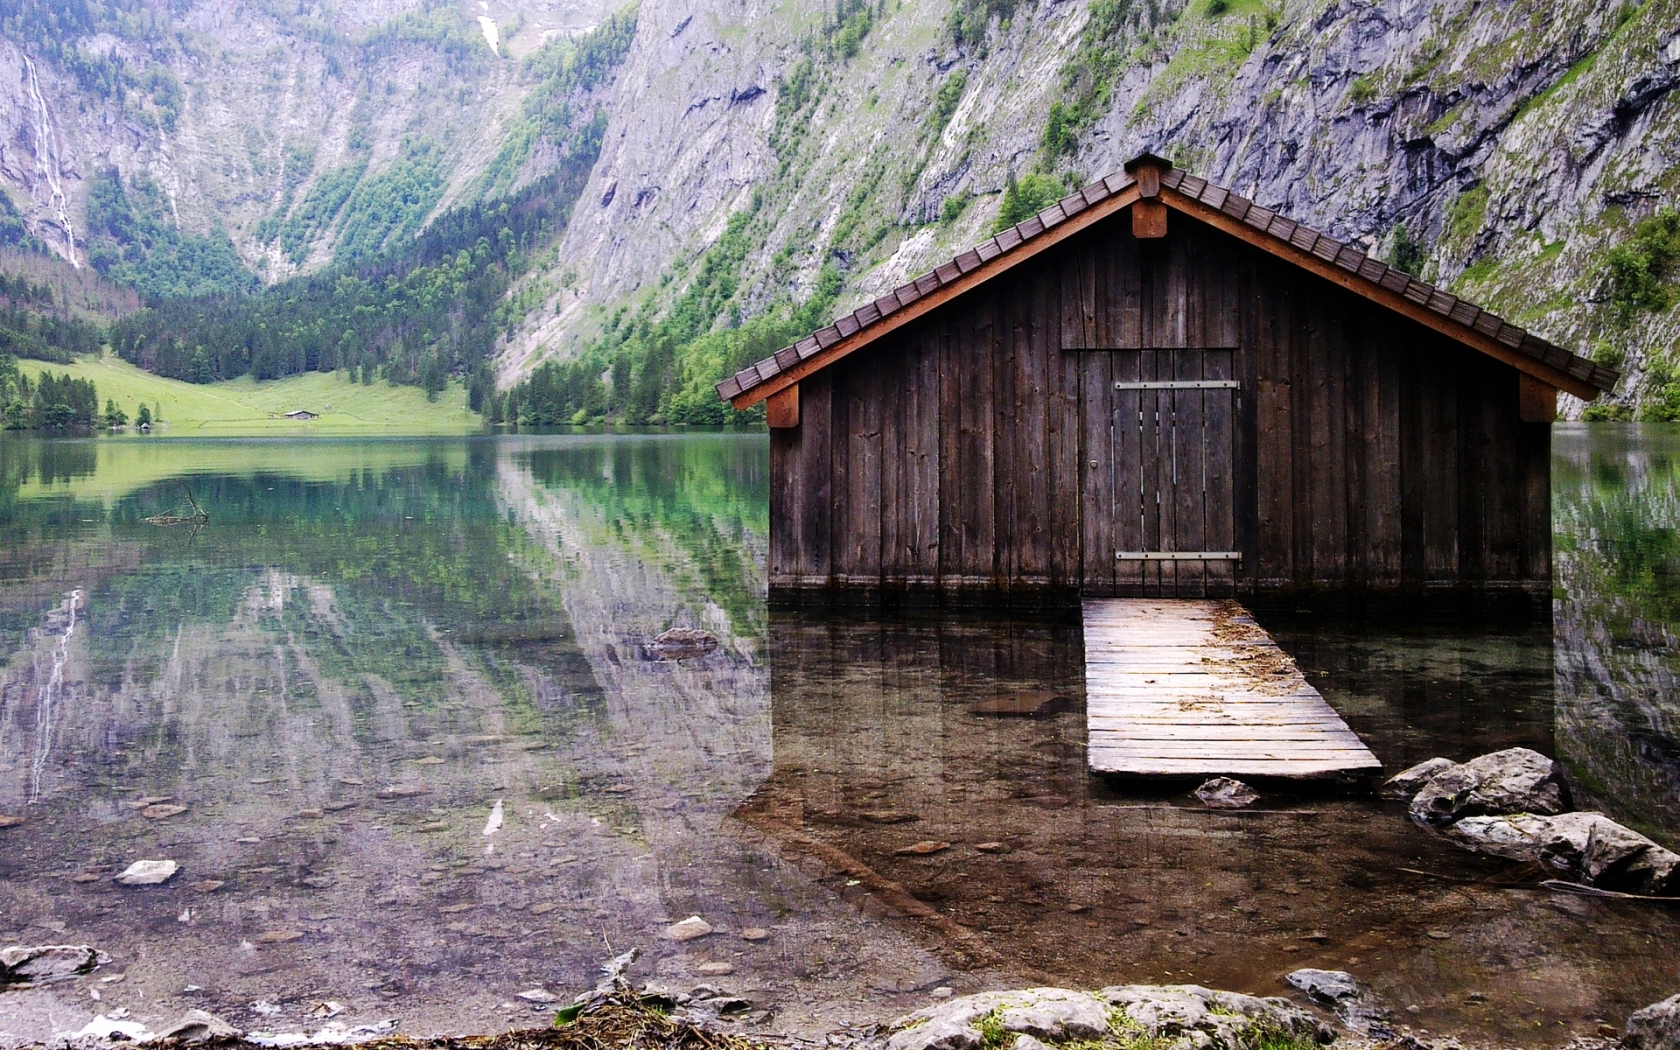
x: 1307, y: 248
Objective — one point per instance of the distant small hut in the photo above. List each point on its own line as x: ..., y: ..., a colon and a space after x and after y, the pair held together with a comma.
x: 1206, y: 398
x: 303, y: 413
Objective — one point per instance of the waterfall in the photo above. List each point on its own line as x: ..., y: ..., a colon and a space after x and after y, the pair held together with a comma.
x: 51, y: 690
x: 46, y: 157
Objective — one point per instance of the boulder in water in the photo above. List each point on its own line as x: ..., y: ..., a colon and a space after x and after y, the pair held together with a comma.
x: 1657, y: 1027
x: 1516, y: 780
x: 1584, y: 847
x: 22, y: 964
x: 1355, y: 1003
x: 1408, y: 782
x: 1226, y: 793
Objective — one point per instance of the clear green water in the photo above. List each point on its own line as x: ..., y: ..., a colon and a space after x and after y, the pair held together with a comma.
x: 466, y: 621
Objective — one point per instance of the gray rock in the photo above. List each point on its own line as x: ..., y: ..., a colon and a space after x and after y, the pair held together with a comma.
x: 198, y: 1026
x: 1516, y: 780
x: 1408, y: 782
x: 1657, y: 1027
x: 1585, y: 847
x: 148, y: 872
x: 1655, y: 872
x: 691, y: 928
x: 22, y: 964
x: 1620, y: 858
x: 1514, y: 838
x: 1057, y: 1014
x: 1563, y: 840
x: 1355, y: 1004
x: 1326, y: 986
x: 1054, y: 1014
x: 1226, y: 793
x: 1192, y: 1017
x: 1207, y: 1019
x: 937, y: 1034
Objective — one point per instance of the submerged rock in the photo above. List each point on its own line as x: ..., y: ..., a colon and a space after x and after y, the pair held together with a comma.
x: 1226, y: 793
x: 399, y: 791
x: 148, y: 872
x: 888, y: 816
x: 924, y: 848
x: 1032, y: 703
x: 1516, y: 780
x: 1355, y: 1004
x: 681, y: 643
x: 22, y: 964
x: 1408, y: 782
x: 691, y: 928
x: 1657, y: 1027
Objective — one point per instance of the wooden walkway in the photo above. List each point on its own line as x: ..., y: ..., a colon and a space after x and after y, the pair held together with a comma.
x: 1197, y: 688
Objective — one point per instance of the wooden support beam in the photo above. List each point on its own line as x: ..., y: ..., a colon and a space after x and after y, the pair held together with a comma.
x: 1147, y: 168
x: 1149, y: 220
x: 781, y: 409
x: 1538, y: 400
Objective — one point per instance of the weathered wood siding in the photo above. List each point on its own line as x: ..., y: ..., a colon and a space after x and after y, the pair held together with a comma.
x: 976, y: 449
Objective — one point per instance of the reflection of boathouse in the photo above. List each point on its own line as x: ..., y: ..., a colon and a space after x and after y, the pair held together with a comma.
x: 934, y: 768
x: 1208, y: 398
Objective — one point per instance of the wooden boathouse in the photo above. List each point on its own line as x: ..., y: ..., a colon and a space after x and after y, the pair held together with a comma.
x: 1158, y: 388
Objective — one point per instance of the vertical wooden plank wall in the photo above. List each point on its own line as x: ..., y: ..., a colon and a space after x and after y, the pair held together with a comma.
x: 976, y: 449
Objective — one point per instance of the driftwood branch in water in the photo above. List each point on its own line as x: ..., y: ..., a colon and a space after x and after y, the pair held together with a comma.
x: 197, y: 519
x: 1563, y: 886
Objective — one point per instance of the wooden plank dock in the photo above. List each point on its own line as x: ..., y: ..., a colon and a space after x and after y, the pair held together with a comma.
x: 1197, y: 688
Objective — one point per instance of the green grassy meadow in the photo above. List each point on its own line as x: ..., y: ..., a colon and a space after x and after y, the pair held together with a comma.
x: 247, y: 407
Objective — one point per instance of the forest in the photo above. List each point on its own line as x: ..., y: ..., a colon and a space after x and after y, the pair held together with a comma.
x: 52, y: 402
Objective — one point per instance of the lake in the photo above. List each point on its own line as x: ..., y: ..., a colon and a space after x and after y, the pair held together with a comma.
x: 396, y: 710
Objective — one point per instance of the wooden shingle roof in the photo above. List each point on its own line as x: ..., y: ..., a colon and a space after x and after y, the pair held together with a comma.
x: 1339, y: 262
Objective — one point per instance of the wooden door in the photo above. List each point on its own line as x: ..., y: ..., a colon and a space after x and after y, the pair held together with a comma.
x: 1170, y: 498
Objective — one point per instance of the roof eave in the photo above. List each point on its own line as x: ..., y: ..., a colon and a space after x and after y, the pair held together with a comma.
x: 1507, y: 343
x: 815, y: 353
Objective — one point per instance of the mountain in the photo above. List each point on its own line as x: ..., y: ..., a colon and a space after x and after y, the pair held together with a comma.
x: 758, y: 165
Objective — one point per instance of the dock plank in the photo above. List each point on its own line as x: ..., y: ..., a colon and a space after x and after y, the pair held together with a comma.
x: 1193, y: 688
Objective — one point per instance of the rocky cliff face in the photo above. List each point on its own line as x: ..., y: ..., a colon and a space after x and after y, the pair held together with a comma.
x: 245, y: 115
x: 1501, y: 147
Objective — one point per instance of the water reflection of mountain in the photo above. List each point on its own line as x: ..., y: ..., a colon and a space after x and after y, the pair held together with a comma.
x: 337, y: 680
x: 325, y: 612
x: 1617, y: 492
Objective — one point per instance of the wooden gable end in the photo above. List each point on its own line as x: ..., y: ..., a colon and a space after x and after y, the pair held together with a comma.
x: 1145, y: 191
